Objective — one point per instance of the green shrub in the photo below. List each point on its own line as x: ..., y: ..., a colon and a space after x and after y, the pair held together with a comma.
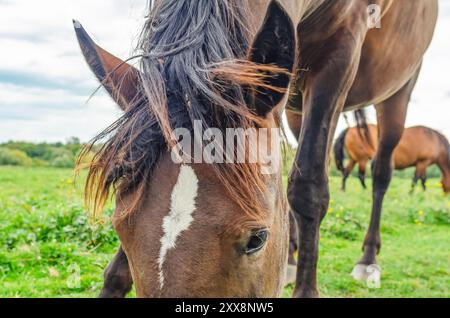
x: 40, y: 163
x: 59, y: 155
x: 62, y: 158
x: 11, y: 157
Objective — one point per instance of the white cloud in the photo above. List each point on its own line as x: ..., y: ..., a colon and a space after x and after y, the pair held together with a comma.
x: 57, y: 124
x: 15, y: 94
x: 44, y: 81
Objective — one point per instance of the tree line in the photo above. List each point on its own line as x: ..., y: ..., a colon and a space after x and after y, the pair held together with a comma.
x: 27, y: 154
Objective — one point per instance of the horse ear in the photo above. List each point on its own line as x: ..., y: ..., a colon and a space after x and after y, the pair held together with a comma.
x: 275, y: 45
x: 120, y: 79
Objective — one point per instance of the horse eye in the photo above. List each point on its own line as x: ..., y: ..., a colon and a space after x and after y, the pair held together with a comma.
x: 257, y: 241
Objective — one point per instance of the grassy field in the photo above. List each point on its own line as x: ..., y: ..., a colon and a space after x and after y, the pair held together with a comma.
x: 48, y: 249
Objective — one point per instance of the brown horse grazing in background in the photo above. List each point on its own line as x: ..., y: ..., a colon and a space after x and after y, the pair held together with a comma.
x: 342, y: 63
x: 360, y: 149
x: 419, y: 147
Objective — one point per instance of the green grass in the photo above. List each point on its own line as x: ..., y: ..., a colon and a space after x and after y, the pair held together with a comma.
x: 45, y: 239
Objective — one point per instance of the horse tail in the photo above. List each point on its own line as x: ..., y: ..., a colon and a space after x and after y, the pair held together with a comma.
x: 339, y: 150
x: 363, y: 128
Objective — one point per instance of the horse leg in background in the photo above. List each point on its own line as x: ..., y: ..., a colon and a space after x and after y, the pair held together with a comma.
x: 293, y: 248
x: 391, y: 121
x: 420, y: 174
x: 414, y: 183
x: 423, y: 180
x: 325, y: 93
x: 118, y: 281
x: 362, y: 173
x: 293, y: 239
x: 423, y: 175
x: 347, y: 171
x: 295, y: 123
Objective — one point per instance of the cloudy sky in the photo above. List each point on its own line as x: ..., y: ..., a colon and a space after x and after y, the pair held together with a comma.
x: 45, y: 84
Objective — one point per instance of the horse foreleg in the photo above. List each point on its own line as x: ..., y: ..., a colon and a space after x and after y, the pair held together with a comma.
x: 423, y: 180
x: 308, y: 195
x: 325, y: 93
x: 118, y: 281
x: 391, y: 120
x: 420, y: 174
x: 414, y: 183
x: 421, y: 170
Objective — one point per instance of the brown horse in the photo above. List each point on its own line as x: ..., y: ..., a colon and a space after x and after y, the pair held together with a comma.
x: 195, y: 229
x: 419, y: 147
x: 351, y: 140
x: 345, y: 64
x: 198, y: 53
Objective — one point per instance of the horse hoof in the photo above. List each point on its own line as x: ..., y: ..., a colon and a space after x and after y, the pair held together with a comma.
x: 106, y: 293
x: 291, y: 275
x: 306, y: 294
x: 359, y: 272
x: 369, y: 273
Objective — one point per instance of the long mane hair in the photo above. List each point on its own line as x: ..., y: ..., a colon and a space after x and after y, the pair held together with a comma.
x: 194, y: 66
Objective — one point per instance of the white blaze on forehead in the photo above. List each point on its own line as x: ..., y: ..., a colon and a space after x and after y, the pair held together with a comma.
x: 182, y: 206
